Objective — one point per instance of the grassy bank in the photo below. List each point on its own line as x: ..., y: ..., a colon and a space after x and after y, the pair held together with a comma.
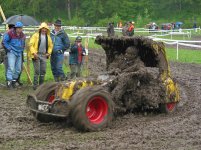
x: 184, y: 55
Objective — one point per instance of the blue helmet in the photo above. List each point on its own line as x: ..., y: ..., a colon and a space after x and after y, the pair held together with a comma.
x: 18, y: 24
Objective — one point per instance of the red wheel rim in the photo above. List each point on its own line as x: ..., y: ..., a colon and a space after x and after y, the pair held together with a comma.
x: 170, y: 106
x: 51, y: 98
x: 97, y: 109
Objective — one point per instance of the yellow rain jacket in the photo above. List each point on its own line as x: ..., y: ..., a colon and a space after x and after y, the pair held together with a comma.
x: 33, y: 43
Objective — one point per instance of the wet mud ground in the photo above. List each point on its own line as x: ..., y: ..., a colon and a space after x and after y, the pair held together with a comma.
x: 147, y: 130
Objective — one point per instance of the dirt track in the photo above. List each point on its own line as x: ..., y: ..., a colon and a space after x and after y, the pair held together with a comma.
x: 182, y: 130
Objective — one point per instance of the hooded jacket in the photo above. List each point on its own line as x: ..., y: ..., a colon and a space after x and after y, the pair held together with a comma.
x: 34, y: 41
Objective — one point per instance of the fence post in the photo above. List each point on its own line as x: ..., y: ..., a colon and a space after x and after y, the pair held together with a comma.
x: 177, y: 50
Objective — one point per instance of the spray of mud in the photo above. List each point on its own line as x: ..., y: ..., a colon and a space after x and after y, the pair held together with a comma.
x: 136, y: 66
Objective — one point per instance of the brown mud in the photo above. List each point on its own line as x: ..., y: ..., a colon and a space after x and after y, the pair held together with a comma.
x: 149, y: 130
x: 137, y: 62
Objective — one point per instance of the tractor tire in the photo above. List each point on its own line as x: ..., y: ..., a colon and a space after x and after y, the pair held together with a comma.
x: 46, y: 92
x: 168, y: 108
x: 92, y: 109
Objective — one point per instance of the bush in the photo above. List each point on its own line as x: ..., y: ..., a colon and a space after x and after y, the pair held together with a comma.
x: 104, y: 22
x: 75, y: 21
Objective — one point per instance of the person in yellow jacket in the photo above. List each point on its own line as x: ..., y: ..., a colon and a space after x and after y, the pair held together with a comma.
x: 40, y: 50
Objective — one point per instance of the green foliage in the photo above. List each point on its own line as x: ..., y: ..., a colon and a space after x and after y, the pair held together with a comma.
x: 100, y: 12
x: 75, y: 21
x: 104, y: 22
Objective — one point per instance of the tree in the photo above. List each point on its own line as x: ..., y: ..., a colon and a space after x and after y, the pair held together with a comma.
x: 68, y: 7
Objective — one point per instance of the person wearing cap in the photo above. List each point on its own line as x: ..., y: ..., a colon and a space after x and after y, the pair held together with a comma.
x: 61, y: 43
x: 18, y: 82
x: 14, y: 43
x: 131, y: 28
x: 77, y: 51
x: 40, y: 50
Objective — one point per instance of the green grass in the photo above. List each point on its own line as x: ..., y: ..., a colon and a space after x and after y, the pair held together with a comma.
x: 184, y: 55
x: 24, y: 79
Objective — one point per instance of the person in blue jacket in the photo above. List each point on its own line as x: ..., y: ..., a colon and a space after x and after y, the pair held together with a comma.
x: 61, y: 43
x: 14, y: 43
x: 77, y: 52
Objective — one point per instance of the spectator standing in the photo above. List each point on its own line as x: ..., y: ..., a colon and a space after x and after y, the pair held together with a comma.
x: 61, y: 43
x: 120, y: 24
x: 125, y: 29
x: 40, y: 49
x: 14, y: 43
x: 110, y: 29
x: 131, y: 28
x: 194, y: 25
x: 77, y: 52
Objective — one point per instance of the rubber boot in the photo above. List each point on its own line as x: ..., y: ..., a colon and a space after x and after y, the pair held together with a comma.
x: 9, y: 85
x: 14, y: 83
x: 62, y: 78
x: 56, y: 79
x: 41, y: 79
x: 35, y: 83
x: 18, y: 81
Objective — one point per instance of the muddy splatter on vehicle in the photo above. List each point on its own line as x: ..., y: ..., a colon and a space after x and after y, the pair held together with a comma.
x: 138, y: 76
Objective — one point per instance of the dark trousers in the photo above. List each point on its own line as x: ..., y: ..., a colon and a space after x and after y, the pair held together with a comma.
x: 76, y: 70
x: 56, y: 61
x: 39, y: 69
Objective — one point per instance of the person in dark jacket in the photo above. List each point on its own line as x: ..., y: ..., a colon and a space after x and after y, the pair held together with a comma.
x: 61, y: 43
x: 77, y: 52
x: 14, y: 43
x: 110, y: 29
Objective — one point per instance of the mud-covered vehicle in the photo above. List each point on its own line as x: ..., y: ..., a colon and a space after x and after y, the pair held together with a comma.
x: 138, y: 76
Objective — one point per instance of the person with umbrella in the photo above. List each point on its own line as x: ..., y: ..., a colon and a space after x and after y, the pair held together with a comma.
x: 14, y: 43
x: 61, y: 43
x: 40, y: 50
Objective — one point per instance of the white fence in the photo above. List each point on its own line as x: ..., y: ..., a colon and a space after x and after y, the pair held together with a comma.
x: 191, y: 44
x: 92, y: 32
